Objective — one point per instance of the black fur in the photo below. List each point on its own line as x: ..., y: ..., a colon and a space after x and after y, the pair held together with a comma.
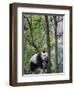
x: 39, y: 61
x: 33, y: 66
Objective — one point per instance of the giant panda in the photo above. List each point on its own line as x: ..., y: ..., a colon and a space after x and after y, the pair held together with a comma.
x: 38, y: 60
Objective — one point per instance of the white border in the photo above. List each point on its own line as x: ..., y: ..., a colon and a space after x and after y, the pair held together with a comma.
x: 47, y: 77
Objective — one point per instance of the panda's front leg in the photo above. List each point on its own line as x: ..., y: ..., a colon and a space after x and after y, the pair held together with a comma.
x: 32, y: 68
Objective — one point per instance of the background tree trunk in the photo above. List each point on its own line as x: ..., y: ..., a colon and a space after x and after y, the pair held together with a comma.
x: 56, y: 42
x: 48, y: 43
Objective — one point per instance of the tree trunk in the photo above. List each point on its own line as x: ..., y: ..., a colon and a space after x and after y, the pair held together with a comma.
x: 56, y: 43
x: 48, y: 43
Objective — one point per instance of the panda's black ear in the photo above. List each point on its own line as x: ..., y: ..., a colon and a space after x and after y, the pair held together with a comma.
x: 43, y: 51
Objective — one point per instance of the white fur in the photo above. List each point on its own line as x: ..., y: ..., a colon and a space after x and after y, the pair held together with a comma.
x: 33, y: 59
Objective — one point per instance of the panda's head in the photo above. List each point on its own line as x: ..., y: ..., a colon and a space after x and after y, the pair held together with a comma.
x: 44, y: 56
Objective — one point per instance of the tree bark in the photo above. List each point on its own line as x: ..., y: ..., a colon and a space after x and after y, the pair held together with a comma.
x: 48, y: 44
x: 56, y: 42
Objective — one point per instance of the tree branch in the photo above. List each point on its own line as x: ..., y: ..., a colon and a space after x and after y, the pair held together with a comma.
x: 33, y: 44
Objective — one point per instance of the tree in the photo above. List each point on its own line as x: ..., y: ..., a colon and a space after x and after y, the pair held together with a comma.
x: 57, y: 19
x: 48, y: 43
x: 56, y: 42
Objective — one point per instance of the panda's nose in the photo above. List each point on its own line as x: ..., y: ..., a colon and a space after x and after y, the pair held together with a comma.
x: 45, y: 59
